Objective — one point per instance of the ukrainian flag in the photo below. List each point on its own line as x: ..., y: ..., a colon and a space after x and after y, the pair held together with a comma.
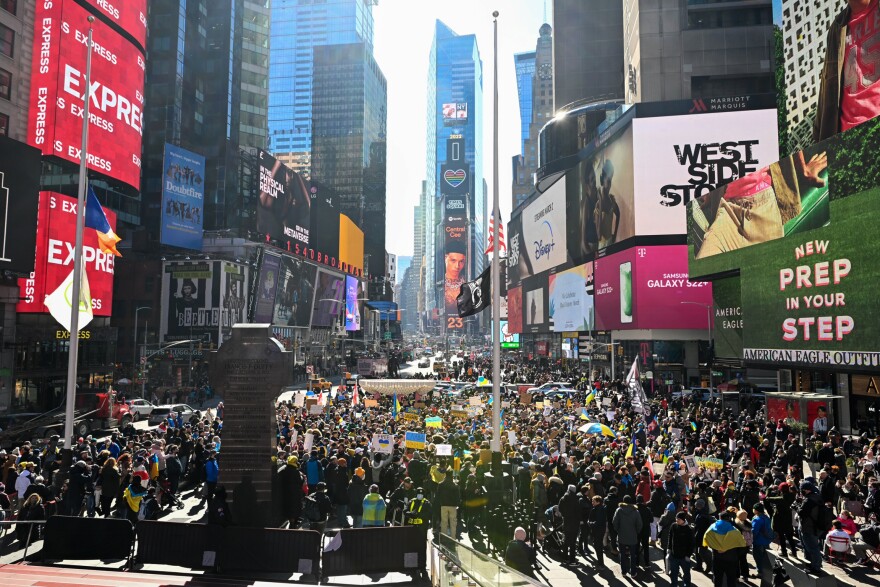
x: 590, y: 397
x: 632, y: 446
x: 723, y: 536
x: 395, y: 409
x: 694, y: 426
x: 95, y: 218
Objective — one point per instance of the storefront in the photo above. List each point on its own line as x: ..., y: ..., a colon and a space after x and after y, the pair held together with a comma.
x: 865, y: 403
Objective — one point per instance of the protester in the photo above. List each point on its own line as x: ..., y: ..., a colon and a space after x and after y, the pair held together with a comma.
x: 519, y: 555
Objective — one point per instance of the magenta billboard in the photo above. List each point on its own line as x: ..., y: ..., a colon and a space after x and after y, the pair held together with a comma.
x: 648, y: 287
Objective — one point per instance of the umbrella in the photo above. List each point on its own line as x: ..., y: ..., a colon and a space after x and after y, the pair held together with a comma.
x: 483, y: 382
x: 596, y: 428
x: 123, y: 381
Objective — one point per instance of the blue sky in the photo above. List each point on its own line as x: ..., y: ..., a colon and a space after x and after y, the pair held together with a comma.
x: 402, y: 39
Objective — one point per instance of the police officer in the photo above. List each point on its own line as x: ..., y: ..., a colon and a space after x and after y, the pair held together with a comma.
x: 419, y: 514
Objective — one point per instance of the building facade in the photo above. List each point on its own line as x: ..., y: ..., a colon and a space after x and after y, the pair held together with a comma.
x: 16, y: 48
x: 298, y: 26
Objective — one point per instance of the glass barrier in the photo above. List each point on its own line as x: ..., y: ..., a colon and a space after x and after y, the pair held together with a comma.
x: 457, y: 565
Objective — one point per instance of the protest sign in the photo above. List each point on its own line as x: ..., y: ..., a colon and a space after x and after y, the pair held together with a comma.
x: 458, y: 413
x: 444, y: 450
x: 415, y: 440
x: 676, y: 433
x: 316, y: 409
x: 475, y: 401
x: 371, y: 403
x: 511, y: 437
x: 691, y: 463
x: 299, y: 399
x: 308, y: 442
x: 411, y: 416
x: 383, y: 443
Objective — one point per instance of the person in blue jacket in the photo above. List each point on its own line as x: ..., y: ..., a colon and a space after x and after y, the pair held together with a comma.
x: 762, y: 538
x: 212, y: 474
x: 314, y: 471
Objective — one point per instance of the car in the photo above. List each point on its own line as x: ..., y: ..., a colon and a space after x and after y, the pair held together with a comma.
x: 161, y: 413
x: 140, y: 408
x: 319, y: 384
x: 551, y: 386
x: 424, y: 364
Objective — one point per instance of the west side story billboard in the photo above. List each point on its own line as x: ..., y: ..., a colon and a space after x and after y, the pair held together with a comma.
x: 183, y: 198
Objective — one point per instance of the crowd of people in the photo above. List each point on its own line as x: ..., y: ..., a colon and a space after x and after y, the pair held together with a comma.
x: 709, y: 489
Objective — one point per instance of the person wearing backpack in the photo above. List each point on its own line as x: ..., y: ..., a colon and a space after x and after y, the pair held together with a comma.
x: 809, y: 526
x: 762, y: 538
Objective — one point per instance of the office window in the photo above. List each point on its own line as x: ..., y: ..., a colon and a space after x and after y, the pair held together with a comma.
x: 7, y: 41
x: 9, y: 5
x: 5, y: 84
x: 4, y: 125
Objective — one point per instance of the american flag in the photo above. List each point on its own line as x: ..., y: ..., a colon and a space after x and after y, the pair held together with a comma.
x: 502, y: 244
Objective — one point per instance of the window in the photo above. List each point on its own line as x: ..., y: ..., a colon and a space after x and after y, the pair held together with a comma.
x: 5, y: 84
x: 4, y: 125
x: 9, y: 5
x: 7, y: 41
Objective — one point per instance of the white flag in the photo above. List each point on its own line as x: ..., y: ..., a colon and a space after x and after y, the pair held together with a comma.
x: 59, y: 301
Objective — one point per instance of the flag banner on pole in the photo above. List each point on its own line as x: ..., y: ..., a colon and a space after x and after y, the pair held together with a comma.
x: 637, y: 394
x: 502, y: 246
x: 96, y: 219
x: 59, y: 302
x: 475, y: 296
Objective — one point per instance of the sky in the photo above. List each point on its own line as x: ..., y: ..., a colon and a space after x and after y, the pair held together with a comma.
x: 402, y: 39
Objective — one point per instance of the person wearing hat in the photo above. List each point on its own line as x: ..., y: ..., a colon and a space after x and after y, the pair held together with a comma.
x: 781, y: 522
x: 681, y: 544
x: 291, y: 491
x: 337, y: 480
x: 357, y: 490
x: 324, y: 506
x: 809, y: 512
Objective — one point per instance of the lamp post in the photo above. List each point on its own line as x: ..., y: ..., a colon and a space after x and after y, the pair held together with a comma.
x: 711, y: 339
x: 134, y: 342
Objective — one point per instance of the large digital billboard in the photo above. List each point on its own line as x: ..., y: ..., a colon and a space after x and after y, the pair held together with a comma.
x: 535, y: 308
x: 571, y: 306
x: 130, y: 15
x: 267, y: 285
x: 58, y: 89
x: 806, y: 296
x: 456, y: 258
x: 649, y: 287
x: 284, y: 211
x: 20, y: 169
x: 56, y: 236
x: 191, y: 297
x: 295, y: 293
x: 183, y: 198
x: 514, y: 310
x: 508, y: 339
x: 329, y: 300
x: 352, y: 305
x: 680, y: 158
x: 455, y: 113
x: 351, y: 244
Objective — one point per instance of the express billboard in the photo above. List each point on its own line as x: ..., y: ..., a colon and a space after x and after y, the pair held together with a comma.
x: 56, y: 236
x: 649, y: 287
x: 284, y: 211
x: 129, y: 15
x: 183, y: 198
x: 680, y: 158
x: 810, y: 293
x: 571, y: 307
x: 20, y: 168
x: 352, y: 306
x: 58, y: 89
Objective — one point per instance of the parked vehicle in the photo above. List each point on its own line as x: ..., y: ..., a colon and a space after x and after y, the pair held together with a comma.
x: 140, y: 408
x: 319, y: 384
x: 551, y: 386
x: 161, y: 413
x: 92, y: 411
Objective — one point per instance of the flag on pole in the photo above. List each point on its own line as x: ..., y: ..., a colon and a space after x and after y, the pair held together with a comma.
x: 634, y: 386
x: 95, y: 218
x: 632, y: 447
x: 475, y: 296
x: 59, y: 301
x: 395, y: 409
x: 590, y: 397
x: 502, y: 246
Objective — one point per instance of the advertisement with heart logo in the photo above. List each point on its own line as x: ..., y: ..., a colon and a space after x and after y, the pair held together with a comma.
x: 454, y: 177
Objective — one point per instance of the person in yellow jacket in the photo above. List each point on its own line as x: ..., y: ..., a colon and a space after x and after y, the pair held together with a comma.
x: 726, y: 543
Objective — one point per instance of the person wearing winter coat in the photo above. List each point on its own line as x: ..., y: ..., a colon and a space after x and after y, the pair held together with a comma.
x: 109, y: 480
x: 357, y: 491
x: 667, y: 520
x: 762, y: 538
x: 627, y: 523
x: 570, y: 508
x: 681, y: 548
x: 645, y: 532
x: 338, y: 482
x: 314, y: 471
x: 726, y: 543
x: 598, y: 523
x: 25, y: 478
x: 291, y: 480
x: 374, y: 508
x: 781, y: 520
x: 448, y: 499
x: 519, y: 555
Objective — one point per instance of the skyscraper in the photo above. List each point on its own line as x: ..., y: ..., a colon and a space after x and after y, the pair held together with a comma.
x: 298, y: 26
x: 455, y: 149
x: 525, y: 72
x: 349, y: 116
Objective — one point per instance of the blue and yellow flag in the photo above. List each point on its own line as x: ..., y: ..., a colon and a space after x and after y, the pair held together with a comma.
x: 632, y: 447
x: 723, y: 536
x: 590, y: 397
x: 95, y: 218
x: 395, y: 409
x: 694, y: 426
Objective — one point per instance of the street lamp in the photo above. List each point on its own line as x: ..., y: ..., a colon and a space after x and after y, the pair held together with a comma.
x: 134, y: 343
x: 711, y: 339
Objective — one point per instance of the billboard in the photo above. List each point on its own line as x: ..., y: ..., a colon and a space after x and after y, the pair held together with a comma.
x: 455, y: 113
x: 727, y: 307
x: 543, y: 232
x: 284, y: 211
x: 351, y: 244
x: 55, y: 240
x: 455, y: 178
x: 680, y: 158
x: 328, y: 299
x: 191, y: 294
x: 535, y: 305
x: 129, y: 15
x: 509, y: 340
x: 352, y: 306
x: 296, y: 291
x: 267, y: 285
x: 234, y: 303
x: 20, y: 169
x: 571, y: 307
x: 810, y: 293
x: 649, y: 287
x: 183, y: 198
x: 514, y: 310
x: 58, y: 89
x: 324, y: 225
x: 600, y: 212
x: 455, y: 256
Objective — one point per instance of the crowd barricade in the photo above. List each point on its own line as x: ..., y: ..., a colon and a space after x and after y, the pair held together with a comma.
x: 358, y: 551
x: 182, y: 545
x: 269, y: 550
x: 70, y: 538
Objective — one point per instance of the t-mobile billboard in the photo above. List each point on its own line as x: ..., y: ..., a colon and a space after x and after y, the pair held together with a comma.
x: 58, y: 88
x: 56, y: 236
x: 130, y: 15
x: 648, y: 287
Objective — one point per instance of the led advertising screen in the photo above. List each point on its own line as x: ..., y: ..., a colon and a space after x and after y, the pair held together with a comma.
x: 328, y: 299
x: 514, y: 310
x: 455, y: 256
x: 648, y: 287
x: 680, y: 158
x: 543, y: 232
x: 130, y: 15
x: 296, y: 291
x: 264, y: 305
x: 352, y: 306
x: 56, y: 237
x: 58, y: 89
x: 234, y: 297
x: 535, y: 314
x: 351, y: 244
x: 571, y: 307
x: 284, y: 211
x: 455, y: 113
x: 455, y: 178
x: 600, y: 211
x: 20, y: 169
x: 183, y: 198
x: 509, y: 340
x: 191, y: 290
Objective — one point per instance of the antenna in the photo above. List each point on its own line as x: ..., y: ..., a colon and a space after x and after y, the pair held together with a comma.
x: 545, y: 10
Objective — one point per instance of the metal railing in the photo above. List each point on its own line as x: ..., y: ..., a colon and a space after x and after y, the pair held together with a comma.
x: 454, y: 562
x: 5, y: 524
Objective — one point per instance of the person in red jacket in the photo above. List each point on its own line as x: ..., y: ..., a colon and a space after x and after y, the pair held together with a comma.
x: 643, y: 487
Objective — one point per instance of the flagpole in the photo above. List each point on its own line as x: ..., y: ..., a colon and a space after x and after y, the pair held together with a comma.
x: 73, y: 355
x: 496, y: 266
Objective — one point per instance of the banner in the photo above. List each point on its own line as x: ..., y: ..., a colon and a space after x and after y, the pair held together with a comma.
x: 415, y: 440
x: 456, y: 259
x: 352, y: 307
x: 267, y: 285
x: 191, y: 290
x: 284, y: 211
x: 183, y: 198
x: 543, y: 232
x: 234, y: 301
x: 571, y: 307
x: 514, y: 310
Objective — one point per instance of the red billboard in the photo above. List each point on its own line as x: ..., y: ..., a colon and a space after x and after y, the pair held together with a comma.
x: 648, y: 287
x: 56, y: 236
x: 58, y: 88
x: 130, y: 15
